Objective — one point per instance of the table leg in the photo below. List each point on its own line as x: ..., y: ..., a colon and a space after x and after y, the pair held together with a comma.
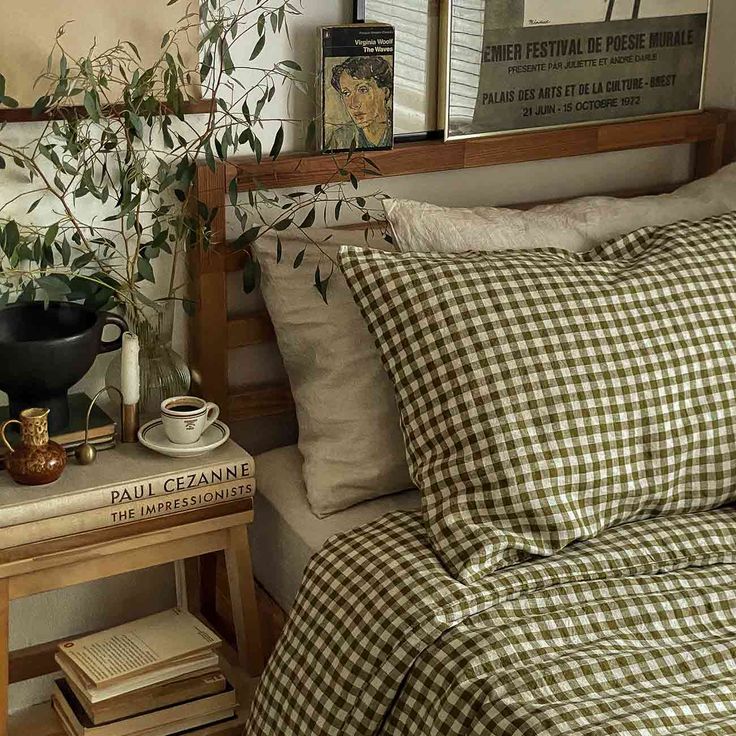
x: 243, y: 598
x: 188, y: 584
x: 4, y: 654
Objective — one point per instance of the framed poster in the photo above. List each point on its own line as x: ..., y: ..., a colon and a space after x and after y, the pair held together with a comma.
x: 417, y: 24
x: 517, y: 65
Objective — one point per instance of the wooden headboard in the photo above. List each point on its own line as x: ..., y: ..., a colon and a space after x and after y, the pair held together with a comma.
x: 213, y: 332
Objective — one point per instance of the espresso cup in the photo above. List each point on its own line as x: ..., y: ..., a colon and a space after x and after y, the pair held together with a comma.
x: 185, y: 418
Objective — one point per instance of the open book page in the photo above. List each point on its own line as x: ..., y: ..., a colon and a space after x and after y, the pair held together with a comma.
x: 139, y: 646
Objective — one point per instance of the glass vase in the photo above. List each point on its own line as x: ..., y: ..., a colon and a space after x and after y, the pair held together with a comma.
x: 163, y: 372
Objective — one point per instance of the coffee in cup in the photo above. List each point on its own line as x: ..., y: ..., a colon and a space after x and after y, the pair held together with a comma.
x: 185, y: 418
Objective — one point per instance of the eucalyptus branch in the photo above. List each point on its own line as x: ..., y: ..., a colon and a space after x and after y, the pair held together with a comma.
x: 133, y: 153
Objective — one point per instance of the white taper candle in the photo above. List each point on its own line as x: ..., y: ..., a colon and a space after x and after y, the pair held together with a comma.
x: 130, y: 382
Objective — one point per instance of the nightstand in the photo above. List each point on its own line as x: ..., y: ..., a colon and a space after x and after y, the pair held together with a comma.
x: 65, y: 561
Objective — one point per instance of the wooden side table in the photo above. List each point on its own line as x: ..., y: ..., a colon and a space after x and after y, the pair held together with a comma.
x: 79, y: 558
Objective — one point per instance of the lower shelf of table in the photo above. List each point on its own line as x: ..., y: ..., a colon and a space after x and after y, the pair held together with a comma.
x: 40, y: 720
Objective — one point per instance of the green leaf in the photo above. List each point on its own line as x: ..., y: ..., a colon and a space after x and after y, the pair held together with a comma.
x: 233, y: 191
x: 321, y: 284
x: 277, y: 143
x: 12, y: 235
x: 248, y: 237
x: 2, y: 163
x: 227, y: 62
x: 91, y: 106
x: 66, y: 252
x: 353, y: 180
x: 2, y: 86
x: 251, y: 275
x: 81, y: 261
x: 289, y: 64
x: 279, y: 249
x: 40, y: 106
x: 146, y: 270
x: 299, y: 258
x: 311, y: 135
x: 51, y: 234
x: 9, y: 101
x: 166, y: 37
x: 136, y: 123
x: 209, y: 157
x: 258, y: 48
x: 34, y: 204
x: 310, y: 218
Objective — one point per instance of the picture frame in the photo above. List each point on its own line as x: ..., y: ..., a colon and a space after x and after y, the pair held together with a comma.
x: 418, y: 44
x: 539, y: 64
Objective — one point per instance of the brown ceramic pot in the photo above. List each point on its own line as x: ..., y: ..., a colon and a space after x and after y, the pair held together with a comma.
x: 37, y: 460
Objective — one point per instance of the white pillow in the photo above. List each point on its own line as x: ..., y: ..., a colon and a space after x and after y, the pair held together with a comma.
x: 349, y: 433
x: 576, y: 225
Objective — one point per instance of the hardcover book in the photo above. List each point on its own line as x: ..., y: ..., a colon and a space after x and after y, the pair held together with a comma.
x: 124, y: 513
x: 355, y: 91
x: 161, y: 722
x: 126, y: 474
x: 154, y: 697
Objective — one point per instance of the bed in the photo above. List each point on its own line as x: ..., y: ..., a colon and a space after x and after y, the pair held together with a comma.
x: 288, y: 532
x: 456, y: 612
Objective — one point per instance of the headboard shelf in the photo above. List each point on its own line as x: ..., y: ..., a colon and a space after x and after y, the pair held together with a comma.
x: 261, y: 400
x: 214, y: 332
x: 250, y: 329
x: 423, y: 157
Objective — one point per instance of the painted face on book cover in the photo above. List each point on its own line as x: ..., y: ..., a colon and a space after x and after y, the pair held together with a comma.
x: 365, y: 100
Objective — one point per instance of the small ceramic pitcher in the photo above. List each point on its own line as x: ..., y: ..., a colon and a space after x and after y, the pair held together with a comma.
x: 37, y: 460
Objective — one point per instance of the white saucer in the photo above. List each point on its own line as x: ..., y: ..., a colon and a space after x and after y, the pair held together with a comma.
x: 152, y: 436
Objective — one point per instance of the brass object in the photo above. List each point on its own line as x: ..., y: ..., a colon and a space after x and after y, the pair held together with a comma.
x: 37, y: 460
x: 131, y: 423
x: 86, y: 453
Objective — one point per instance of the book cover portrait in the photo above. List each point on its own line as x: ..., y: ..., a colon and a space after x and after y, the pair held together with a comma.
x: 357, y: 88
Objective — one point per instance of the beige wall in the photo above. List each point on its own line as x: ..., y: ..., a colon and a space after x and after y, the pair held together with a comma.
x: 60, y: 614
x: 31, y: 27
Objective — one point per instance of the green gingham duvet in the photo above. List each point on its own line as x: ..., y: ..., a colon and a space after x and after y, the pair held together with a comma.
x: 633, y: 632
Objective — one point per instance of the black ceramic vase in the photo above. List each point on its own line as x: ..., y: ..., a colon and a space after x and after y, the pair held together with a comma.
x: 44, y: 351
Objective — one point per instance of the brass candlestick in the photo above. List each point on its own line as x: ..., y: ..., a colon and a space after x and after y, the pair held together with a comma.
x: 87, y: 453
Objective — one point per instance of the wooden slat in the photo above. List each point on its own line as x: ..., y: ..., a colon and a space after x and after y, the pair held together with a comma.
x: 37, y: 660
x: 251, y: 329
x: 120, y: 538
x: 431, y: 156
x: 260, y: 401
x: 208, y: 339
x: 25, y: 114
x: 41, y: 581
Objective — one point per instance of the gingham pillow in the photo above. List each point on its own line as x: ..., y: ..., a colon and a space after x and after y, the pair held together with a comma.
x: 547, y: 395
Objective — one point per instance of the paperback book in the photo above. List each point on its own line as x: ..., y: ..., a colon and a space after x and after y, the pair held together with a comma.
x: 355, y: 91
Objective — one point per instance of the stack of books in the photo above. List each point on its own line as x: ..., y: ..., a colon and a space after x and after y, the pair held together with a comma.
x: 126, y: 485
x: 102, y: 428
x: 157, y: 676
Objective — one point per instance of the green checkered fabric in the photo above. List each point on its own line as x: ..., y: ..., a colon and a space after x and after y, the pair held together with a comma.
x: 547, y: 395
x: 632, y: 633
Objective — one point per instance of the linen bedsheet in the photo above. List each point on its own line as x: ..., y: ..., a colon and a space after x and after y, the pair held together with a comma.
x: 633, y: 632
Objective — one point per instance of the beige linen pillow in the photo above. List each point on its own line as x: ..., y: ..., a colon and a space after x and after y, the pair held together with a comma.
x: 349, y: 432
x: 576, y: 225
